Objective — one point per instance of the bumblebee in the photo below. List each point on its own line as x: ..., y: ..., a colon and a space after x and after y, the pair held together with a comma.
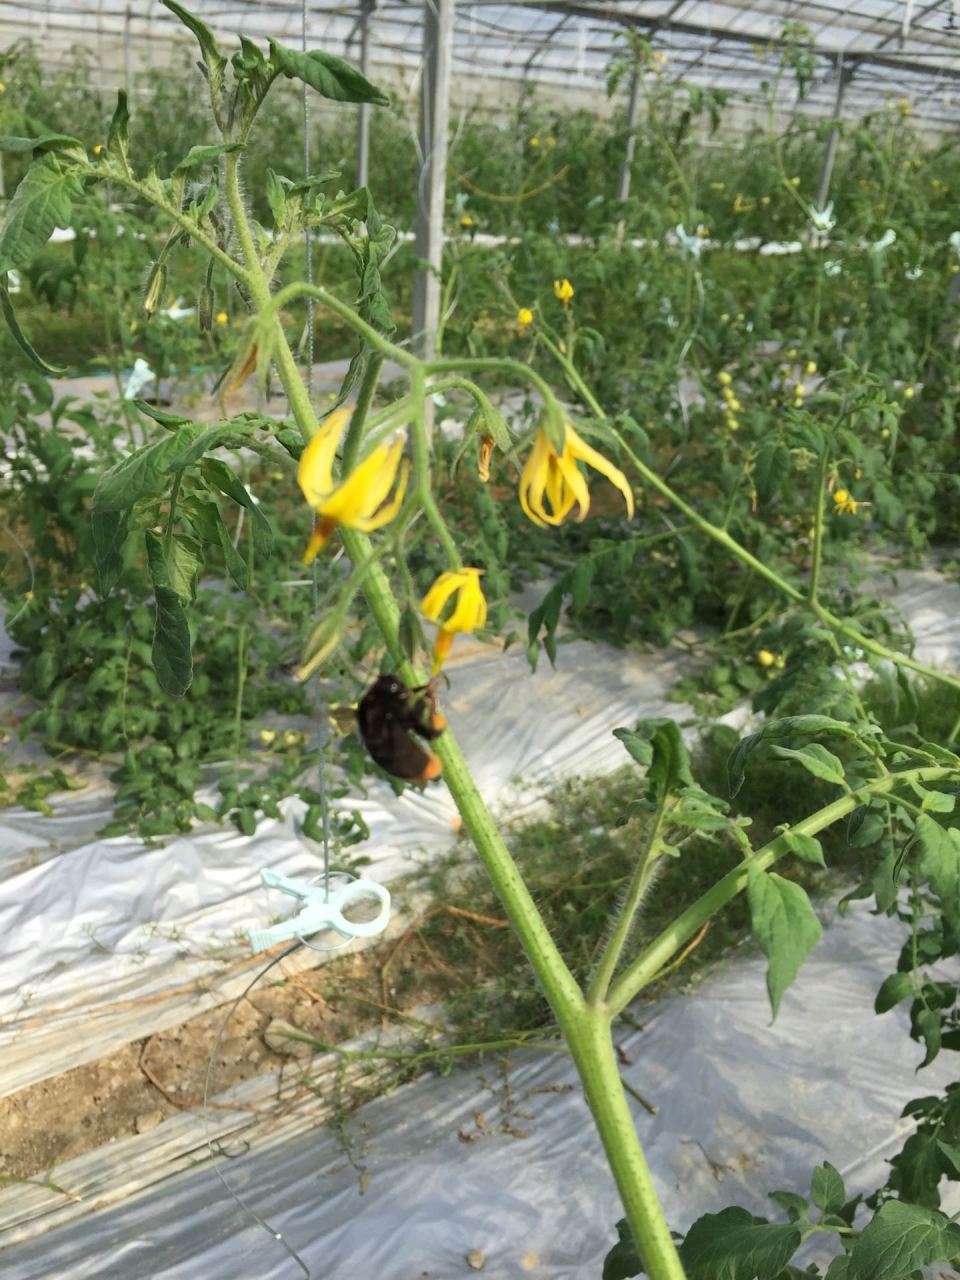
x: 388, y: 715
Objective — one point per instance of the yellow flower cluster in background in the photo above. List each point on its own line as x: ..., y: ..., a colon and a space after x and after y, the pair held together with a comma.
x: 730, y: 398
x: 844, y: 504
x: 524, y: 319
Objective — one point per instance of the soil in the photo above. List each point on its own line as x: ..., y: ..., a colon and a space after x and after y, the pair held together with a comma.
x: 141, y: 1085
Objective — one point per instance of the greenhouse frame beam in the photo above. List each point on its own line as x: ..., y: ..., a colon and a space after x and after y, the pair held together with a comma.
x: 664, y: 23
x: 438, y: 18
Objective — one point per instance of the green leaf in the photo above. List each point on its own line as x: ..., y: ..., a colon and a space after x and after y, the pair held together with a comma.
x: 733, y: 1245
x: 795, y: 1207
x: 940, y: 864
x: 21, y: 339
x: 146, y: 470
x: 45, y: 142
x: 217, y: 473
x: 172, y: 658
x: 623, y: 1261
x: 158, y: 415
x: 176, y: 564
x: 785, y: 925
x: 952, y: 1153
x: 109, y: 535
x: 826, y: 1190
x: 236, y: 565
x: 790, y: 727
x: 204, y: 154
x: 117, y: 133
x: 839, y: 1268
x: 42, y: 201
x: 329, y: 75
x: 658, y: 745
x: 770, y: 469
x: 806, y: 847
x: 893, y: 989
x: 816, y: 759
x: 208, y: 46
x: 926, y: 1026
x: 900, y: 1239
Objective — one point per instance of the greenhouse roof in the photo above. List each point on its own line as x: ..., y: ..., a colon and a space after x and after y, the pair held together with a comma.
x: 889, y: 49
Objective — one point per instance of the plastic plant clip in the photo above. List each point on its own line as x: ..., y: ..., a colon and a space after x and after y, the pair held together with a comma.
x: 321, y: 910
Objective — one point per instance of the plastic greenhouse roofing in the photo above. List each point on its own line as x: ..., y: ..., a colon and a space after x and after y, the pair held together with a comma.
x: 888, y: 49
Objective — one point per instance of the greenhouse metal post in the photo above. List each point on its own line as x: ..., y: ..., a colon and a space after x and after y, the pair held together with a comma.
x: 363, y: 115
x: 844, y: 76
x: 431, y: 186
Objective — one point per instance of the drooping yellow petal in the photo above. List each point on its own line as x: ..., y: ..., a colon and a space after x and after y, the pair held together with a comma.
x: 366, y: 487
x: 582, y: 450
x: 367, y: 524
x: 470, y: 612
x: 315, y: 472
x: 432, y: 604
x: 533, y: 481
x: 574, y: 481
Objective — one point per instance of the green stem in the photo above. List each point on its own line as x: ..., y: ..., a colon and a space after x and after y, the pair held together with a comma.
x: 172, y: 512
x: 600, y: 984
x: 659, y: 953
x: 368, y: 387
x: 818, y: 528
x: 586, y: 1030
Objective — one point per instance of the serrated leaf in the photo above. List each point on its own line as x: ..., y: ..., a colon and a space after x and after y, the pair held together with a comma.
x: 43, y: 200
x: 44, y: 142
x: 205, y: 154
x: 893, y: 989
x: 785, y: 925
x: 658, y: 745
x: 816, y: 759
x: 219, y: 474
x: 806, y: 847
x: 900, y: 1239
x: 329, y: 75
x: 827, y: 1190
x: 208, y: 46
x: 117, y: 132
x: 176, y: 564
x: 940, y: 864
x: 771, y: 467
x: 145, y: 471
x: 21, y: 339
x: 795, y: 1207
x: 172, y: 658
x: 623, y: 1261
x: 109, y: 535
x: 733, y: 1245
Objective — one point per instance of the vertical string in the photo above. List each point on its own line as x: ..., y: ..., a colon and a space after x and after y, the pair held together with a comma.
x: 308, y: 252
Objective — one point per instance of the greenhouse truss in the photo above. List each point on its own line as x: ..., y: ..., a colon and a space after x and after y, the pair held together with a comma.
x: 875, y: 49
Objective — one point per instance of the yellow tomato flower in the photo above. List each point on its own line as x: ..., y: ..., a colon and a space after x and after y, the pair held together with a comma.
x: 534, y: 141
x: 766, y: 658
x: 361, y: 500
x: 908, y: 393
x: 97, y: 148
x: 466, y: 221
x: 844, y: 504
x: 483, y: 458
x: 524, y: 318
x: 744, y: 204
x: 468, y: 612
x: 222, y: 317
x: 563, y: 290
x: 555, y: 478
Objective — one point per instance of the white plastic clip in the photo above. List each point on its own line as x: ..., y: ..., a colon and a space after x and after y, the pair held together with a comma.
x: 318, y: 911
